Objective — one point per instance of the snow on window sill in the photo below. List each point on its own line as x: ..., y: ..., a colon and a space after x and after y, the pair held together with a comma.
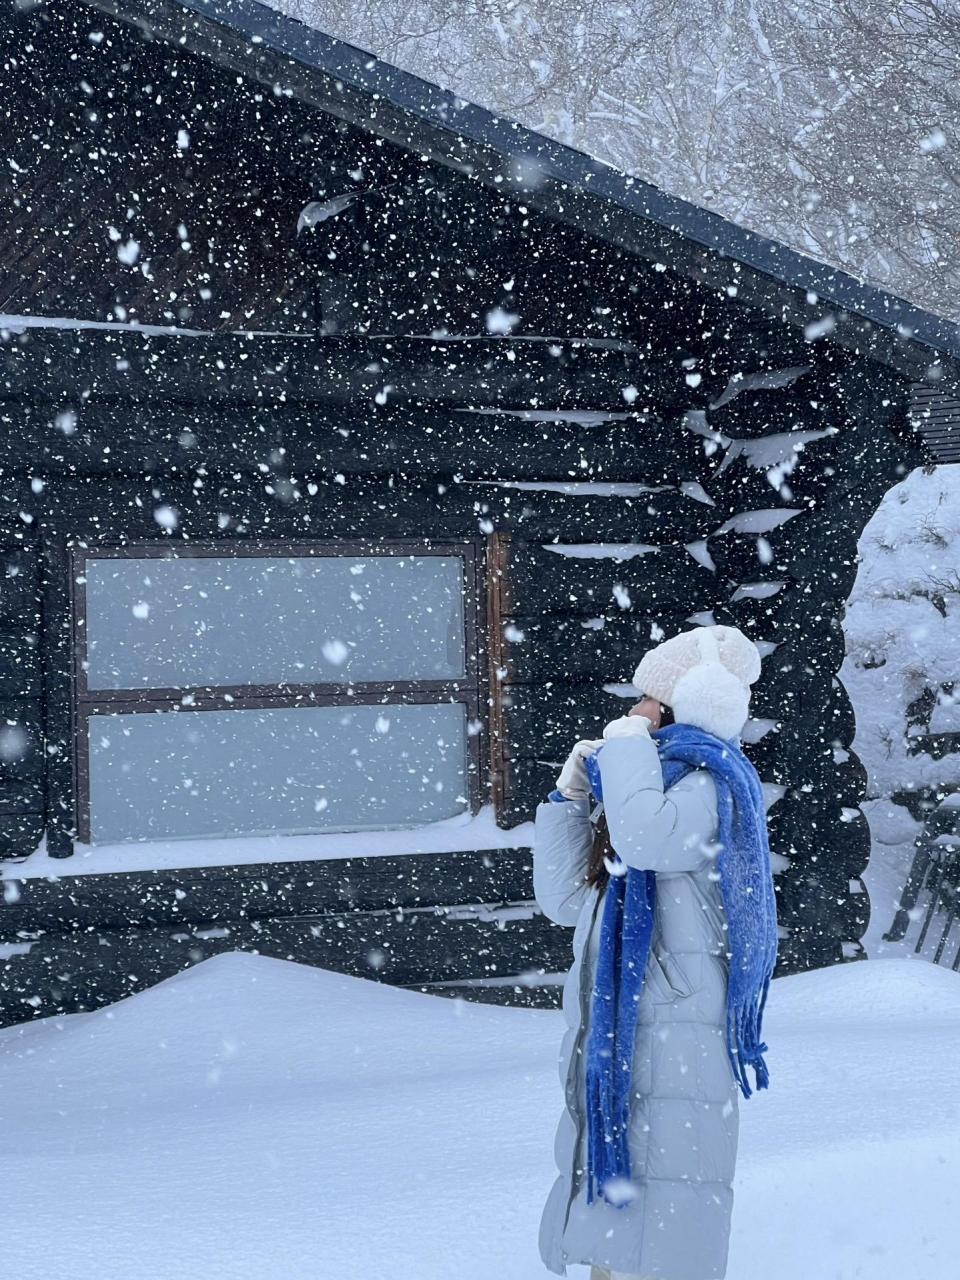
x: 462, y: 834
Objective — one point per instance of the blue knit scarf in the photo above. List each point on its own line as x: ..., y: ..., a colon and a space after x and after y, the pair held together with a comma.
x: 626, y: 930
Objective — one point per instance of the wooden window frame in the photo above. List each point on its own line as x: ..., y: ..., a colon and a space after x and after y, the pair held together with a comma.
x: 468, y: 690
x: 498, y: 608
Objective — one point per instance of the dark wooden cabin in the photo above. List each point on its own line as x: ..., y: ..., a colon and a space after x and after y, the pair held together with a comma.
x: 355, y: 444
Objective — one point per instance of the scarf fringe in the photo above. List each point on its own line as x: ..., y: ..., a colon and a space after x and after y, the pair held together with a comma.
x: 608, y: 1152
x: 744, y: 1045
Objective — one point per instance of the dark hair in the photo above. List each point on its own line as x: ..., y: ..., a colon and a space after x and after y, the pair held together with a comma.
x: 602, y: 850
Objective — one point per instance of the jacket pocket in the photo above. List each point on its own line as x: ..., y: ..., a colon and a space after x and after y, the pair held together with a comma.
x: 668, y: 980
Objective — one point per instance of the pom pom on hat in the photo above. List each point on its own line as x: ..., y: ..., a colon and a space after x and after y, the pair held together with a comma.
x: 705, y: 676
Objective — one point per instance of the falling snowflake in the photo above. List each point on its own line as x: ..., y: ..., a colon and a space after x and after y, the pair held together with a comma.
x: 167, y: 517
x: 335, y: 651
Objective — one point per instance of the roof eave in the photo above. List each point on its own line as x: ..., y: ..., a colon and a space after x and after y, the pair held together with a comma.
x: 357, y: 87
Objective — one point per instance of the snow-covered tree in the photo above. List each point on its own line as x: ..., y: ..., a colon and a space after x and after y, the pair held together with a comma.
x: 829, y: 124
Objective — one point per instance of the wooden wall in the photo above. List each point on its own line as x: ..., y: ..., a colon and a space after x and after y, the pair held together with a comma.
x: 236, y: 469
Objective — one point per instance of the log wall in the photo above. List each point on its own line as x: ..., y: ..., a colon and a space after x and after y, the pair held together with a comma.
x: 709, y: 484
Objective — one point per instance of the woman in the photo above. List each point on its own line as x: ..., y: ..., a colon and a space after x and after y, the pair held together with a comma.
x: 672, y: 902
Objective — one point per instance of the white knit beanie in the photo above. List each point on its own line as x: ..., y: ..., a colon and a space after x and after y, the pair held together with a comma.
x: 704, y: 675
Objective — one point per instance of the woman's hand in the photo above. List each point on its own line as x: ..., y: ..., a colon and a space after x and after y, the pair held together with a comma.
x: 643, y: 717
x: 573, y: 782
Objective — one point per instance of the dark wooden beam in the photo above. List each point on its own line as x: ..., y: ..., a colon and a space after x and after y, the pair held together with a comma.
x: 525, y: 991
x: 82, y: 436
x: 544, y: 721
x: 539, y: 649
x: 544, y: 580
x: 61, y: 366
x: 211, y: 895
x: 64, y: 973
x: 369, y: 507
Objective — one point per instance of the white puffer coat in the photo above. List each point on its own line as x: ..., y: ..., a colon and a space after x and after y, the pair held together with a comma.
x: 684, y: 1118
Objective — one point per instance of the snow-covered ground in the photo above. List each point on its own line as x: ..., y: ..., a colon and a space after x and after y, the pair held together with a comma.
x: 253, y: 1119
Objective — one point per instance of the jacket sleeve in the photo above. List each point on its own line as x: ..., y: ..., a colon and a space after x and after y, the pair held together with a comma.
x: 562, y: 838
x: 650, y: 830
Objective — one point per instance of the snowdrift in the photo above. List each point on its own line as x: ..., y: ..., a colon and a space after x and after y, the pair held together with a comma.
x: 257, y: 1120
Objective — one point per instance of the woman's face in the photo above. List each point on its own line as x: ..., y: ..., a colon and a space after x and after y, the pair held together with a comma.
x: 650, y: 708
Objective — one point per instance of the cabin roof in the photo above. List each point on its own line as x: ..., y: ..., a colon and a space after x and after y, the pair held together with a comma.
x: 366, y: 91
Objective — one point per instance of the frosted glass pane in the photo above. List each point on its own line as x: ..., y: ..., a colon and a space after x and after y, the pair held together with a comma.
x: 219, y: 620
x: 282, y: 770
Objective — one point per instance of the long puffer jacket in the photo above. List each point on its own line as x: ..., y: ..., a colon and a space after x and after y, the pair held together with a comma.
x: 684, y: 1119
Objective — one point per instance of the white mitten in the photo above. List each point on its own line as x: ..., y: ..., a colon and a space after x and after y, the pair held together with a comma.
x: 627, y: 727
x: 573, y: 782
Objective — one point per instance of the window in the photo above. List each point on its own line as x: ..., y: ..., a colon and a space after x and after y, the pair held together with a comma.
x: 266, y: 689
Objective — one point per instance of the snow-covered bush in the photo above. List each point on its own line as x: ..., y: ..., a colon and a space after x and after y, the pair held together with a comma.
x: 903, y: 656
x: 903, y: 633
